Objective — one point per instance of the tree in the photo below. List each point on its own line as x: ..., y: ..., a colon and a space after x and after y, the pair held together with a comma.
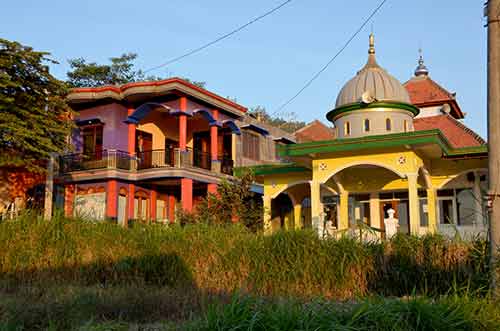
x: 120, y: 71
x: 291, y: 125
x: 34, y: 117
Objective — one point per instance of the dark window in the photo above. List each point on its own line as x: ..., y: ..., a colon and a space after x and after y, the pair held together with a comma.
x: 388, y: 124
x: 367, y: 125
x: 250, y: 146
x: 92, y: 141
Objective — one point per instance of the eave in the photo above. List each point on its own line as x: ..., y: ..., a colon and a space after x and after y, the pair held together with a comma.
x: 414, y: 138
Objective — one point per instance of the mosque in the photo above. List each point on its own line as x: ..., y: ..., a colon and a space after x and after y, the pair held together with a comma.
x: 401, y: 161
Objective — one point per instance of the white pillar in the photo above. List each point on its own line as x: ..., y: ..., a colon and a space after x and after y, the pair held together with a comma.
x: 49, y: 187
x: 316, y: 208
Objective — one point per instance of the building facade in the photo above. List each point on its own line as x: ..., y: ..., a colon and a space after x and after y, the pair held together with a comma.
x: 402, y: 161
x: 143, y: 149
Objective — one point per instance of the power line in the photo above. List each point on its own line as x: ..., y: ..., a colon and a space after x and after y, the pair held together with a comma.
x: 227, y: 35
x: 316, y: 75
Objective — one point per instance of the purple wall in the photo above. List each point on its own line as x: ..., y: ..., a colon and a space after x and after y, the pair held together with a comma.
x: 115, y: 131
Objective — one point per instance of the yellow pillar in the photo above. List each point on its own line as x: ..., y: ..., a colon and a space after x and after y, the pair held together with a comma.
x: 344, y: 210
x: 375, y: 211
x: 414, y: 203
x: 267, y: 215
x: 297, y: 216
x: 431, y: 210
x: 316, y: 208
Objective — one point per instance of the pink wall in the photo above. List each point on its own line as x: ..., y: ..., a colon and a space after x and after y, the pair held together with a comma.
x: 115, y: 133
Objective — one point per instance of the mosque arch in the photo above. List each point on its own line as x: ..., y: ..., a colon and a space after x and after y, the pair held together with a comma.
x: 458, y: 175
x: 288, y: 186
x: 361, y: 163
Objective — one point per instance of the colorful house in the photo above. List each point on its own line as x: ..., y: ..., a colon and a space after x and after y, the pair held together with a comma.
x: 141, y: 149
x: 402, y: 161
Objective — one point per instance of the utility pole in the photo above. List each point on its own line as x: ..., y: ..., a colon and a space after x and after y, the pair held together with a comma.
x: 493, y: 17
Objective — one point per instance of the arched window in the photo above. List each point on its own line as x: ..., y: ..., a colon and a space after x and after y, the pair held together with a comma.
x: 347, y: 129
x: 388, y: 124
x: 405, y: 125
x: 367, y: 125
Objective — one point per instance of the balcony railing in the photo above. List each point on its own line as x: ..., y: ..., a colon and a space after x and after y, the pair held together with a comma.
x: 99, y: 160
x: 169, y: 157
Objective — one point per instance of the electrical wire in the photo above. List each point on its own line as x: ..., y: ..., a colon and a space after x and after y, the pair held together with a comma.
x: 227, y: 35
x: 316, y: 75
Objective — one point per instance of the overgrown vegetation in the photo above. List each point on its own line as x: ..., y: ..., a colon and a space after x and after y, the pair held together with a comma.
x: 231, y: 203
x: 286, y: 122
x: 66, y: 272
x: 227, y: 258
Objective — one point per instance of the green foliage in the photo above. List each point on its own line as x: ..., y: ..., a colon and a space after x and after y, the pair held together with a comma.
x: 34, y: 119
x: 119, y: 71
x: 227, y: 258
x: 289, y: 125
x: 376, y: 314
x: 230, y: 203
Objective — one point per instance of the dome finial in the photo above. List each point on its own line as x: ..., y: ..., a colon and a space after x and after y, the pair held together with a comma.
x: 371, y: 50
x: 421, y: 68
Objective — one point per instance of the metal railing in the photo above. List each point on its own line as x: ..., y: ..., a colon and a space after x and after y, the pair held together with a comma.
x: 157, y: 158
x: 99, y: 160
x: 168, y: 157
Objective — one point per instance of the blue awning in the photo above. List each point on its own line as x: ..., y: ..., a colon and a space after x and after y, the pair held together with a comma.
x: 256, y: 128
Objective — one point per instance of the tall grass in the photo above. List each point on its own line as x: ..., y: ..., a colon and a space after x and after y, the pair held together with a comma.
x: 228, y: 258
x: 373, y: 314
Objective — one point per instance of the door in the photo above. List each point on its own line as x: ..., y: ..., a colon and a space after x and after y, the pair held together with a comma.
x: 170, y: 146
x: 143, y: 148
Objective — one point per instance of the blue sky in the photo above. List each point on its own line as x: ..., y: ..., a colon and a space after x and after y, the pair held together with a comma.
x: 270, y: 61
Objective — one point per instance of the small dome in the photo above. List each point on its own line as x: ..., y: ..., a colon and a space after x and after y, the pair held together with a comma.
x: 374, y: 81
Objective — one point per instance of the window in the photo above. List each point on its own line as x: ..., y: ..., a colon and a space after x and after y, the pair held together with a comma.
x: 367, y: 125
x: 141, y: 206
x: 250, y: 145
x: 405, y: 126
x: 347, y: 129
x: 388, y: 124
x: 92, y: 141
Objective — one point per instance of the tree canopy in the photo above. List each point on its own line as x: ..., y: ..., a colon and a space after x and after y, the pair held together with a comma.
x: 34, y: 117
x: 289, y: 125
x: 120, y: 70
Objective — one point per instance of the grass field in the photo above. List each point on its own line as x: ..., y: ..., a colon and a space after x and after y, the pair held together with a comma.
x: 74, y: 274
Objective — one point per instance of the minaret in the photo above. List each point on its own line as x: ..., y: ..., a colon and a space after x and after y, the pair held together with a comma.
x: 421, y: 68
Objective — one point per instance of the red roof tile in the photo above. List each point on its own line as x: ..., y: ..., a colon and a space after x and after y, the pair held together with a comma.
x: 314, y: 131
x: 456, y: 132
x: 424, y: 91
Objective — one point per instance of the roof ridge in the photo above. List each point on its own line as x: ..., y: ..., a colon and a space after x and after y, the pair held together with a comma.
x: 467, y: 129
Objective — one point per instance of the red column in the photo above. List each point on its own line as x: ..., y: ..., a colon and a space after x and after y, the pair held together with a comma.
x: 212, y: 188
x: 214, y: 132
x: 69, y: 198
x: 171, y: 208
x: 112, y: 199
x: 187, y: 194
x: 153, y: 205
x: 131, y: 134
x: 131, y: 196
x: 183, y: 124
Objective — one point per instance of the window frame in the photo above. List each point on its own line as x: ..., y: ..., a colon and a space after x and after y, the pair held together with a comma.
x: 347, y: 128
x: 388, y: 124
x: 251, y: 145
x: 366, y: 125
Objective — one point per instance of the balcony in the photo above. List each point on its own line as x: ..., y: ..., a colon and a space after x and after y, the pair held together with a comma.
x: 169, y: 157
